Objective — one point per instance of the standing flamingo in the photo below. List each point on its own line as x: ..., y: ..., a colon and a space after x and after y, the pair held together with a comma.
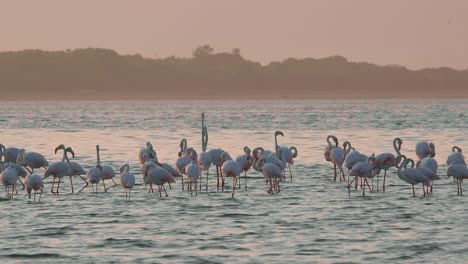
x: 329, y: 147
x: 458, y: 171
x: 232, y: 169
x: 387, y: 160
x: 456, y: 156
x: 107, y: 172
x: 245, y: 163
x: 272, y: 173
x: 364, y: 170
x: 10, y: 154
x: 127, y: 180
x: 149, y: 150
x: 338, y: 155
x: 157, y: 176
x: 424, y: 148
x: 58, y: 170
x: 34, y: 182
x: 193, y: 172
x: 9, y: 176
x: 75, y: 168
x: 32, y: 160
x: 411, y: 175
x: 204, y: 159
x: 19, y: 169
x: 284, y: 153
x: 94, y: 175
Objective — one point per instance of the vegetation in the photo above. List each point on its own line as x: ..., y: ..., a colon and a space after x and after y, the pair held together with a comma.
x: 104, y: 74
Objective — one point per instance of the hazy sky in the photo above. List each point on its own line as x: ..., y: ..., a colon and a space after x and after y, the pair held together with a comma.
x: 414, y: 33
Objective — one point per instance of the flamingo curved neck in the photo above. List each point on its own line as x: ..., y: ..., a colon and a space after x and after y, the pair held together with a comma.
x: 397, y: 148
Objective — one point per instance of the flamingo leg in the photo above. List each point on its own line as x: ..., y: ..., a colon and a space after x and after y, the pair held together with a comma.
x: 129, y: 191
x: 234, y: 184
x: 164, y: 188
x: 245, y: 180
x: 104, y: 184
x: 58, y: 186
x: 461, y: 187
x: 87, y: 183
x: 40, y: 196
x: 289, y: 165
x: 196, y: 187
x: 182, y: 177
x: 424, y: 189
x: 52, y: 188
x: 71, y: 182
x: 370, y: 189
x: 170, y: 187
x: 217, y: 179
x: 206, y: 187
x: 384, y: 178
x: 363, y: 189
x: 414, y: 195
x: 334, y: 171
x: 34, y: 195
x: 19, y: 179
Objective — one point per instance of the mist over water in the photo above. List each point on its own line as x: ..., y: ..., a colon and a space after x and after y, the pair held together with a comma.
x: 311, y: 220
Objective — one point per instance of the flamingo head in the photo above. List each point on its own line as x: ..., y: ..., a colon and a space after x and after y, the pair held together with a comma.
x: 61, y: 146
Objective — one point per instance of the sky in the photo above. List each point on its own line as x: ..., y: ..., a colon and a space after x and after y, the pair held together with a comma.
x: 413, y: 33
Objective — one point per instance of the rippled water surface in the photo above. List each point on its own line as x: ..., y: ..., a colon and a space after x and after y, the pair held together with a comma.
x: 311, y: 220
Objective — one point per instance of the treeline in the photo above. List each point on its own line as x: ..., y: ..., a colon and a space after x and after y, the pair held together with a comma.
x: 104, y: 74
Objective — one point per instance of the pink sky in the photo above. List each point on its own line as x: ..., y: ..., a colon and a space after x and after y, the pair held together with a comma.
x: 414, y: 33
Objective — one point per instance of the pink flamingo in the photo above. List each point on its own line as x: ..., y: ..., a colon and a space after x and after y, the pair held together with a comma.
x: 387, y: 160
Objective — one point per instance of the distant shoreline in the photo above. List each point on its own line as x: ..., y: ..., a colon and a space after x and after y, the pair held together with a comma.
x: 102, y: 74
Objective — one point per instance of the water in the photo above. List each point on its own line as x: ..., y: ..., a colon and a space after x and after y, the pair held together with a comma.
x: 311, y: 220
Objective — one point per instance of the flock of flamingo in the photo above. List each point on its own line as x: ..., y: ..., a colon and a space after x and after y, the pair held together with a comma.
x: 363, y: 167
x: 17, y: 163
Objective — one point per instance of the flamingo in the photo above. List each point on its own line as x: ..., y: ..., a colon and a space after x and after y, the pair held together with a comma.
x: 94, y: 175
x: 158, y: 176
x: 34, y: 182
x: 204, y: 159
x: 216, y: 160
x: 232, y: 169
x: 149, y: 150
x: 19, y: 169
x: 193, y: 172
x: 10, y: 154
x: 245, y: 163
x: 458, y: 171
x: 107, y: 172
x: 424, y: 148
x: 268, y: 156
x: 33, y: 160
x: 387, y: 160
x: 364, y: 170
x: 272, y: 173
x: 353, y: 157
x: 338, y: 155
x: 411, y: 175
x: 456, y: 156
x: 284, y: 153
x: 127, y: 180
x: 9, y: 177
x: 58, y: 170
x: 75, y: 168
x: 183, y: 160
x: 329, y: 147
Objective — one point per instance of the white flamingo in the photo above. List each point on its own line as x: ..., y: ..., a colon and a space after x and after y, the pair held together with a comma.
x: 411, y: 175
x: 272, y: 173
x: 458, y: 171
x: 285, y: 154
x: 217, y: 160
x: 127, y: 180
x: 329, y: 147
x: 10, y: 154
x: 204, y: 159
x: 108, y: 172
x: 338, y: 155
x: 32, y: 160
x: 456, y: 156
x: 36, y: 183
x: 9, y: 176
x: 75, y: 168
x: 387, y: 160
x: 193, y: 172
x: 157, y: 176
x: 245, y: 163
x: 424, y: 148
x: 231, y: 168
x: 364, y: 170
x: 94, y: 175
x: 149, y: 150
x: 183, y: 160
x: 58, y: 170
x: 19, y: 169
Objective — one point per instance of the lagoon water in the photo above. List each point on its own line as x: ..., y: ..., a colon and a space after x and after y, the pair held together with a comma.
x: 311, y: 220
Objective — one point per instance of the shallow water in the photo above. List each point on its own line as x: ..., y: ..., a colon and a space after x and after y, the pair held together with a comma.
x: 311, y: 220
